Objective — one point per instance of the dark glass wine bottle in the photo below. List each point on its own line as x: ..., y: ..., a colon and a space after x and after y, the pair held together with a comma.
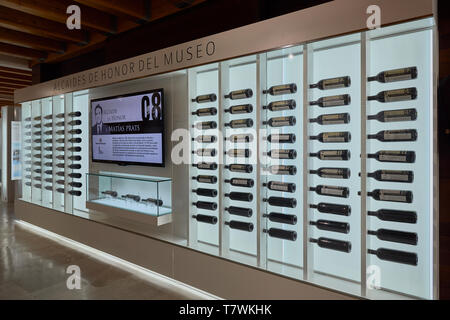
x: 243, y: 137
x: 281, y: 234
x: 332, y: 137
x: 392, y: 175
x: 395, y: 75
x: 205, y: 152
x: 281, y: 202
x: 205, y: 218
x: 281, y: 138
x: 73, y: 158
x: 48, y: 132
x: 205, y: 205
x: 395, y: 135
x: 48, y: 171
x: 74, y: 193
x: 332, y: 119
x: 395, y: 115
x: 280, y: 186
x: 74, y: 140
x: 240, y: 182
x: 282, y: 170
x: 156, y: 202
x: 205, y: 125
x: 332, y: 83
x: 281, y: 154
x: 281, y: 105
x: 240, y: 196
x: 332, y: 208
x: 204, y: 112
x: 395, y: 215
x: 240, y: 109
x: 397, y: 256
x: 332, y: 244
x: 281, y: 218
x: 395, y: 236
x: 238, y: 211
x: 212, y: 193
x: 281, y: 89
x: 37, y: 126
x: 238, y: 153
x: 333, y: 101
x: 75, y: 184
x: 239, y: 225
x: 239, y: 94
x: 331, y: 191
x: 391, y: 195
x: 73, y: 131
x: 205, y: 98
x: 395, y: 95
x: 333, y: 226
x: 205, y: 179
x: 394, y: 156
x: 332, y: 155
x: 332, y: 173
x: 241, y: 123
x: 244, y: 168
x: 281, y: 121
x: 206, y: 165
x: 74, y: 123
x: 74, y: 149
x: 205, y: 139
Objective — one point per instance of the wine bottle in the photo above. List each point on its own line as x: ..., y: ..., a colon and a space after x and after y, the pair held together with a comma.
x: 332, y: 244
x: 49, y: 180
x: 239, y: 94
x: 240, y: 182
x: 395, y: 75
x: 281, y: 202
x: 243, y: 137
x: 281, y: 105
x: 243, y: 108
x: 394, y: 156
x: 73, y: 131
x: 395, y: 115
x: 74, y: 114
x: 332, y: 101
x: 281, y: 234
x: 332, y: 173
x: 37, y: 148
x: 395, y: 236
x: 244, y: 168
x: 241, y: 123
x: 48, y: 156
x: 239, y: 225
x: 332, y: 154
x: 62, y: 182
x: 132, y: 197
x: 48, y: 172
x: 48, y: 132
x: 74, y: 123
x: 74, y: 140
x: 205, y: 165
x: 28, y: 119
x: 205, y: 179
x: 205, y: 218
x: 238, y: 153
x: 60, y: 124
x: 280, y: 186
x: 281, y: 138
x: 75, y: 184
x: 212, y: 193
x: 49, y: 141
x: 281, y: 218
x: 281, y: 121
x: 37, y: 126
x: 332, y: 137
x: 73, y: 158
x: 391, y: 195
x: 328, y: 119
x: 37, y: 163
x: 48, y: 164
x: 38, y: 155
x: 38, y: 185
x: 205, y: 139
x: 392, y: 175
x: 238, y: 211
x: 205, y: 125
x: 332, y: 208
x: 60, y: 190
x: 240, y: 196
x: 333, y: 226
x: 395, y: 256
x: 395, y: 215
x: 281, y: 89
x: 205, y: 152
x: 331, y: 191
x: 204, y: 112
x: 60, y: 115
x: 205, y: 98
x: 61, y: 140
x: 28, y: 184
x: 395, y: 135
x: 332, y: 83
x: 48, y: 125
x: 205, y: 205
x: 395, y: 95
x: 74, y: 193
x: 74, y: 149
x: 110, y: 193
x: 282, y: 170
x: 37, y: 140
x: 281, y: 154
x: 73, y: 166
x: 60, y: 149
x: 50, y: 188
x: 156, y: 202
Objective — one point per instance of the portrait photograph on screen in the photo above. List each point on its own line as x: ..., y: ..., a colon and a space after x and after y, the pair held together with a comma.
x: 129, y: 129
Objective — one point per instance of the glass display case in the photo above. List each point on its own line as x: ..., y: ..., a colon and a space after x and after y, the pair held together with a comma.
x: 151, y: 196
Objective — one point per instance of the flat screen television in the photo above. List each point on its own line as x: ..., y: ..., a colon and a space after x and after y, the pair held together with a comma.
x: 129, y: 129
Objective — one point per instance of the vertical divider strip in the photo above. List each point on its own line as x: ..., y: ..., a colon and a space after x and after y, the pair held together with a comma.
x: 68, y: 199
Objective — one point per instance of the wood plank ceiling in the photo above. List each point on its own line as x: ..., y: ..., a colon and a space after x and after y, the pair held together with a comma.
x: 36, y: 30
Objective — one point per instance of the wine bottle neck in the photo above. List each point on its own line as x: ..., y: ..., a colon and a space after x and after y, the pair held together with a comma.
x: 372, y: 136
x: 371, y: 98
x: 372, y: 117
x: 372, y: 79
x: 313, y: 240
x: 313, y: 120
x: 312, y: 189
x: 372, y: 213
x: 313, y: 171
x: 313, y: 103
x: 313, y: 86
x: 370, y: 251
x: 313, y: 137
x: 313, y: 154
x: 371, y: 232
x: 313, y: 206
x: 371, y: 156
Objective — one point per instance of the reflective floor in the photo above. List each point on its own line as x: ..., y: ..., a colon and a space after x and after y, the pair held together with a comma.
x: 34, y: 267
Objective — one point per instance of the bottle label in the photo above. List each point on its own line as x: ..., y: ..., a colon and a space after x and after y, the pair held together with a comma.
x: 332, y: 173
x: 330, y: 155
x: 333, y: 137
x: 204, y: 179
x: 333, y: 83
x: 242, y: 182
x: 239, y: 94
x: 333, y: 101
x: 397, y: 115
x: 392, y: 135
x: 331, y: 191
x: 392, y: 197
x: 279, y: 186
x: 286, y: 88
x: 239, y: 109
x: 397, y: 95
x: 391, y: 157
x: 398, y: 75
x: 203, y: 166
x: 394, y: 177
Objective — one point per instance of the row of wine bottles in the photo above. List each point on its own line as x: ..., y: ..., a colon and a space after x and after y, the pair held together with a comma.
x: 59, y: 115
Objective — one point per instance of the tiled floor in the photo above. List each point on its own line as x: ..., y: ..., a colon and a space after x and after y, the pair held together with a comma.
x: 34, y: 267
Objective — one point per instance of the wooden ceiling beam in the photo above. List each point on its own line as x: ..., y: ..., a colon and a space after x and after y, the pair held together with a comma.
x: 11, y: 86
x: 136, y: 10
x: 12, y: 76
x: 24, y: 22
x: 16, y: 71
x: 16, y: 51
x: 30, y: 41
x: 56, y: 10
x: 16, y: 81
x: 6, y: 92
